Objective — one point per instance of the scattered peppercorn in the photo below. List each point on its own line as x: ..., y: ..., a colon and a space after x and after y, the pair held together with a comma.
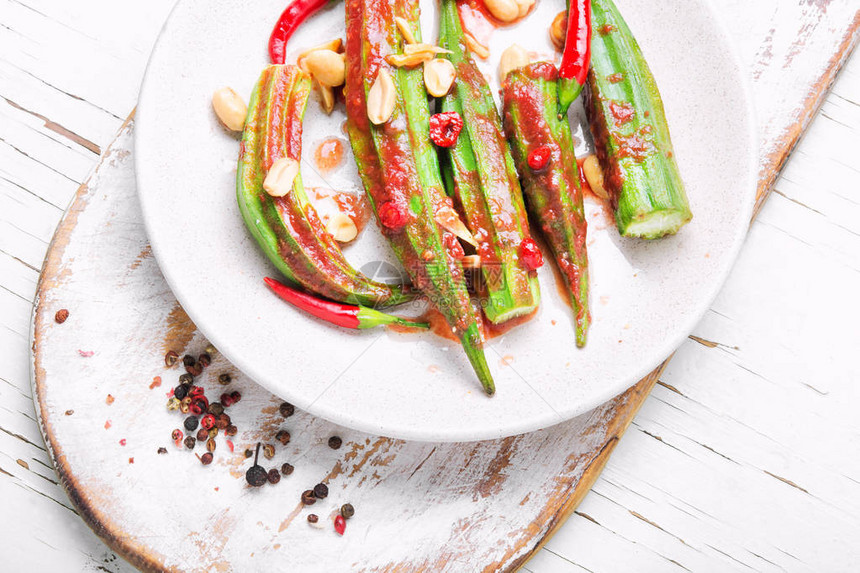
x: 256, y: 476
x: 186, y: 378
x: 320, y: 491
x: 69, y: 412
x: 202, y: 434
x: 339, y: 524
x: 347, y: 511
x: 222, y: 421
x: 273, y: 476
x: 235, y: 395
x: 269, y: 451
x: 226, y: 400
x: 335, y: 442
x: 210, y: 445
x: 197, y: 407
x: 177, y: 434
x: 181, y: 391
x: 208, y: 421
x: 109, y: 400
x: 162, y: 450
x: 183, y: 407
x: 287, y: 409
x: 204, y: 360
x: 213, y: 432
x: 308, y: 497
x: 195, y: 370
x: 313, y: 518
x: 190, y: 423
x: 190, y: 442
x: 61, y: 316
x: 195, y: 391
x: 283, y: 436
x: 206, y: 458
x: 216, y: 409
x: 210, y: 350
x: 249, y: 453
x: 173, y: 403
x: 170, y: 358
x: 224, y: 379
x: 230, y: 430
x: 287, y: 469
x: 188, y: 360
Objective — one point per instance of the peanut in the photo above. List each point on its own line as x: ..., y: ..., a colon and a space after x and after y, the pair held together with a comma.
x: 279, y: 179
x: 504, y: 10
x: 512, y: 58
x: 327, y: 97
x: 594, y: 176
x: 341, y: 227
x: 327, y: 66
x: 381, y: 98
x: 558, y: 30
x: 405, y: 30
x: 230, y: 108
x: 439, y: 76
x: 475, y: 46
x: 524, y: 6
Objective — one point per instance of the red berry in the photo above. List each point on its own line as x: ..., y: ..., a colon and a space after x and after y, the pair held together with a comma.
x: 196, y: 391
x: 207, y: 421
x: 236, y: 396
x: 539, y: 157
x: 339, y: 524
x: 393, y: 215
x: 530, y: 254
x: 445, y: 128
x: 197, y: 407
x: 226, y: 400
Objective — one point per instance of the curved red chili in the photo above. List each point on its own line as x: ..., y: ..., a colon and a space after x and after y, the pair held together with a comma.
x: 576, y: 58
x: 445, y: 128
x: 296, y: 13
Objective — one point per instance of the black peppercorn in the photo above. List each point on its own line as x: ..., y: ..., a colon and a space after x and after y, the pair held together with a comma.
x: 347, y: 511
x: 224, y: 379
x: 186, y: 378
x: 188, y: 360
x: 320, y: 491
x: 287, y: 469
x: 313, y: 518
x: 249, y: 453
x: 335, y: 442
x: 308, y: 497
x: 216, y: 409
x: 206, y: 459
x: 204, y: 360
x: 191, y: 423
x: 287, y: 409
x: 283, y: 436
x: 162, y: 450
x: 273, y: 476
x: 190, y: 442
x: 181, y: 391
x: 256, y: 476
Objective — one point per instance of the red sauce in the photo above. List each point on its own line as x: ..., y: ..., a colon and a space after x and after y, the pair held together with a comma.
x: 353, y: 205
x: 622, y: 112
x: 477, y: 20
x: 606, y: 29
x: 439, y: 326
x: 633, y: 145
x: 615, y: 78
x: 328, y: 154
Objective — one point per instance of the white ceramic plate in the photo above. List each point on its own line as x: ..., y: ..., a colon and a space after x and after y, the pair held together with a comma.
x: 646, y: 296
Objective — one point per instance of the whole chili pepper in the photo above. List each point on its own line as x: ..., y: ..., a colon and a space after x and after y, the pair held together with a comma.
x: 296, y: 13
x: 345, y: 315
x: 577, y: 53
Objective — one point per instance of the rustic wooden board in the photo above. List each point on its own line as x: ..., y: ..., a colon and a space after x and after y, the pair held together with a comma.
x: 502, y: 498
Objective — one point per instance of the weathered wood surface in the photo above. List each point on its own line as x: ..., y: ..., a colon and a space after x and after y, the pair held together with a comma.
x: 621, y: 515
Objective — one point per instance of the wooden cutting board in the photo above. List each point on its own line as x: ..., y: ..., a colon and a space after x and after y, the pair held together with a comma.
x: 101, y: 383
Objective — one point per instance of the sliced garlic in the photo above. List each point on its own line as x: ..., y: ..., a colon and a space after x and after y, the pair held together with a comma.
x: 594, y: 176
x: 327, y: 66
x: 405, y: 30
x: 381, y: 98
x: 279, y: 179
x: 449, y: 219
x: 341, y: 227
x: 512, y: 58
x: 558, y: 30
x: 439, y: 76
x: 230, y: 108
x: 504, y: 10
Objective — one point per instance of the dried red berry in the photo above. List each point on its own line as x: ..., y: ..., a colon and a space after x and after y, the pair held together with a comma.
x: 235, y: 395
x: 530, y: 254
x: 61, y: 316
x: 196, y: 407
x: 206, y: 458
x: 226, y: 400
x: 195, y: 391
x: 177, y: 434
x: 207, y: 421
x: 393, y: 215
x: 445, y: 128
x: 339, y: 524
x: 273, y: 476
x: 539, y: 157
x: 202, y: 434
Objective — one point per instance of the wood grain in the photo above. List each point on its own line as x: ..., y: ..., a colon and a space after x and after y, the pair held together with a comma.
x: 596, y: 462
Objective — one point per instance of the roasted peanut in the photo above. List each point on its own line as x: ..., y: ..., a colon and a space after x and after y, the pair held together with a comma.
x: 504, y: 10
x: 594, y: 176
x: 327, y: 97
x: 341, y: 227
x: 405, y: 30
x: 230, y: 108
x: 327, y: 66
x: 558, y: 30
x: 524, y: 6
x: 279, y: 179
x: 512, y: 58
x: 381, y: 98
x: 439, y: 76
x: 475, y: 46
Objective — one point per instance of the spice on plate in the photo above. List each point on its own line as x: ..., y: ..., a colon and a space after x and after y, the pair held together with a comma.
x: 230, y: 430
x: 170, y: 358
x: 308, y: 497
x: 340, y: 524
x: 190, y: 442
x: 162, y: 450
x: 286, y: 409
x: 216, y: 409
x: 335, y: 442
x: 206, y: 459
x: 273, y: 476
x: 204, y: 360
x: 190, y: 423
x: 210, y: 445
x: 177, y: 434
x: 202, y: 434
x: 287, y: 469
x: 61, y: 316
x: 320, y: 491
x: 256, y: 475
x: 283, y: 436
x: 268, y: 451
x: 224, y: 379
x: 347, y: 511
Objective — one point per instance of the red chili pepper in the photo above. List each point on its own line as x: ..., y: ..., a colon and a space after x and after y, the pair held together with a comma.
x: 346, y: 315
x: 296, y: 13
x: 539, y: 158
x: 530, y: 254
x: 577, y: 53
x: 445, y: 128
x: 393, y: 215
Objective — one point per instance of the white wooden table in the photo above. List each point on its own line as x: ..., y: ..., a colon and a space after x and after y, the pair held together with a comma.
x: 744, y: 457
